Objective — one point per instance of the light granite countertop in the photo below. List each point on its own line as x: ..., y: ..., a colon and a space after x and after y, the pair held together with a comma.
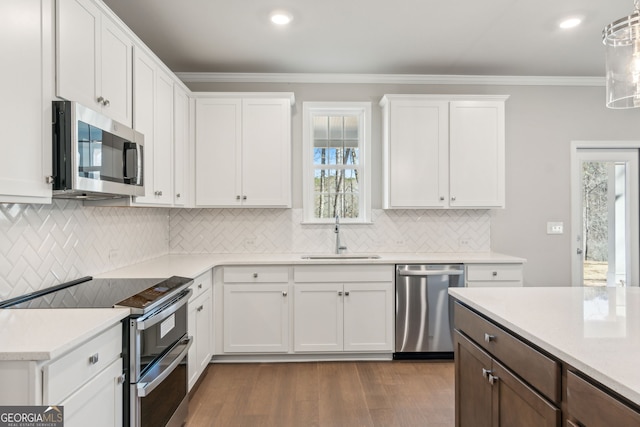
x: 595, y: 330
x: 44, y: 334
x: 192, y: 265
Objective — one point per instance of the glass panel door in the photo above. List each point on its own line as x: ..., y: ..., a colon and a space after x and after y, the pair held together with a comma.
x: 606, y: 220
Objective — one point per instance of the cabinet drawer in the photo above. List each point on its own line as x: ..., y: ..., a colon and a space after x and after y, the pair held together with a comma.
x: 596, y: 408
x: 343, y: 273
x: 257, y: 274
x: 534, y: 367
x: 71, y: 371
x: 494, y: 272
x: 201, y: 284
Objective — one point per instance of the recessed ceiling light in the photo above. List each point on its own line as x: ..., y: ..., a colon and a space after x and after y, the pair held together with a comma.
x: 280, y: 17
x: 570, y: 22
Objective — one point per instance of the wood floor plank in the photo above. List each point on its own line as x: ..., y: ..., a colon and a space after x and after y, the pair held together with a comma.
x: 325, y: 394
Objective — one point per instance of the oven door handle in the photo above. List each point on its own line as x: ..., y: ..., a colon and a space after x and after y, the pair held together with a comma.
x: 145, y: 323
x: 145, y: 387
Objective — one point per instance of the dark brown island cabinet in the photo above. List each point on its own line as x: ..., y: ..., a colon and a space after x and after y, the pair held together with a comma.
x: 503, y: 380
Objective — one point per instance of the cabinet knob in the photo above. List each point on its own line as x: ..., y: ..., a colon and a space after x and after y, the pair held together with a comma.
x: 494, y: 274
x: 200, y: 308
x: 486, y: 372
x: 106, y: 103
x: 441, y: 198
x: 244, y: 197
x: 489, y: 338
x: 200, y: 286
x: 493, y: 379
x: 346, y: 293
x: 238, y: 197
x: 121, y: 379
x: 100, y: 100
x: 93, y: 359
x: 339, y: 293
x: 255, y: 275
x: 178, y: 195
x: 284, y: 293
x: 453, y: 198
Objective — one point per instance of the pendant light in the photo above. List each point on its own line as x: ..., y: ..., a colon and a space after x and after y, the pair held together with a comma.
x: 622, y: 41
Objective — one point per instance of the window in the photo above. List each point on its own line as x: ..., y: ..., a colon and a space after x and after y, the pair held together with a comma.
x: 336, y: 137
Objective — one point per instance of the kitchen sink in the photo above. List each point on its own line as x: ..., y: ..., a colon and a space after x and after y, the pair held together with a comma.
x: 341, y: 256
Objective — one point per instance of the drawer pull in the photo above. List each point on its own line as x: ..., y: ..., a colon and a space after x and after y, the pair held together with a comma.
x: 494, y: 274
x: 255, y: 275
x: 493, y: 379
x: 486, y: 373
x: 93, y: 359
x: 489, y: 338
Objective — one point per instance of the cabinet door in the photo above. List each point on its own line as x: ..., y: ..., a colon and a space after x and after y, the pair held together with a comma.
x: 200, y: 310
x: 368, y: 316
x: 256, y: 318
x: 266, y: 152
x: 98, y: 402
x: 78, y: 35
x: 476, y: 148
x: 218, y: 152
x: 25, y: 151
x: 115, y: 72
x: 517, y: 404
x: 318, y: 317
x: 144, y: 74
x: 163, y: 140
x: 181, y: 147
x: 417, y: 148
x: 473, y: 391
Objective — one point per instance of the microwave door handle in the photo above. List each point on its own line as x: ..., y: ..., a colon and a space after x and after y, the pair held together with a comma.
x: 128, y: 146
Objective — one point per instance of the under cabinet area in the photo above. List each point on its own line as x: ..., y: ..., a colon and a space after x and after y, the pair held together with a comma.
x: 443, y: 151
x: 200, y: 318
x: 243, y: 146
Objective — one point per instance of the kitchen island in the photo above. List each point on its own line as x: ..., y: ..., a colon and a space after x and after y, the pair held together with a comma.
x: 573, y: 351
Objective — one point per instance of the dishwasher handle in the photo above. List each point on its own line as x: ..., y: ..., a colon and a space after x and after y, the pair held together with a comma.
x: 423, y: 273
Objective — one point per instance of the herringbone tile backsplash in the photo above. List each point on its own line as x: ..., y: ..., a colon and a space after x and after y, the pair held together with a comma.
x: 43, y: 245
x: 281, y: 231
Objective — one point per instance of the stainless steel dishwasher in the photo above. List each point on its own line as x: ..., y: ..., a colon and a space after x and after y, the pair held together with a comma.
x: 424, y: 317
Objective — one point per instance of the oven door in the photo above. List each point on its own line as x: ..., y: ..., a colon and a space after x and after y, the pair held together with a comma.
x: 159, y: 398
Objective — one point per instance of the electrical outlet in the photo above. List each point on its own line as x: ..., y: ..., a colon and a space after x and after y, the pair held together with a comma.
x: 464, y: 243
x: 555, y: 228
x: 114, y: 254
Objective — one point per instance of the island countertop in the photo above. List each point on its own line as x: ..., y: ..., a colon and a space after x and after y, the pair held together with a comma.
x: 595, y: 330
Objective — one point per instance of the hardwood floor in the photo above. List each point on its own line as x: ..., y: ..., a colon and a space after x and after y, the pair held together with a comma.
x: 325, y: 394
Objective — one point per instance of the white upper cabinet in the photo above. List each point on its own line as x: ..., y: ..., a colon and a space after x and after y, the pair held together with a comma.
x: 181, y: 148
x: 243, y: 150
x: 26, y: 82
x: 443, y: 151
x: 154, y: 118
x: 94, y: 60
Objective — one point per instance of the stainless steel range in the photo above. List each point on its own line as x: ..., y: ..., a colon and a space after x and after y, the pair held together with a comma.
x: 155, y: 340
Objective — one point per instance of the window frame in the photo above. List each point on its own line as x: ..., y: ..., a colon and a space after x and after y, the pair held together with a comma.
x: 361, y: 109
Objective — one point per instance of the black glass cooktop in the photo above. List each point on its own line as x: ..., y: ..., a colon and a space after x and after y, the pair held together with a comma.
x: 100, y: 293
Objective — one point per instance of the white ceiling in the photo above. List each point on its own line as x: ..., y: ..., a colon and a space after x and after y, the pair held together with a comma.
x: 459, y: 37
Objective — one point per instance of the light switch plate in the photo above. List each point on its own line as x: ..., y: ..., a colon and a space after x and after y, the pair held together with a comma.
x: 555, y: 227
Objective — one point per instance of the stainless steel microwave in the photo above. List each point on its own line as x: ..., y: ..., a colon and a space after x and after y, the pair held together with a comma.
x: 94, y: 157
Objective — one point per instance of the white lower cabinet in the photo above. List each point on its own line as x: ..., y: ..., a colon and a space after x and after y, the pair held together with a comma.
x: 343, y: 308
x: 200, y: 327
x: 256, y: 309
x: 493, y: 275
x: 87, y: 381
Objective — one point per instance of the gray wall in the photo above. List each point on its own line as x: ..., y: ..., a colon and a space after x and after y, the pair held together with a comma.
x: 541, y: 122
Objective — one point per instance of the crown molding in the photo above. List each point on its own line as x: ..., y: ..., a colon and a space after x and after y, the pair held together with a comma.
x: 412, y: 79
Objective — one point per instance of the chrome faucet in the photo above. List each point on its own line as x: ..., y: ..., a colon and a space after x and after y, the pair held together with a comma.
x: 339, y: 247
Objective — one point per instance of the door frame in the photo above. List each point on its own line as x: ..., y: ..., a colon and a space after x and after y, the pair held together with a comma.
x: 576, y: 212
